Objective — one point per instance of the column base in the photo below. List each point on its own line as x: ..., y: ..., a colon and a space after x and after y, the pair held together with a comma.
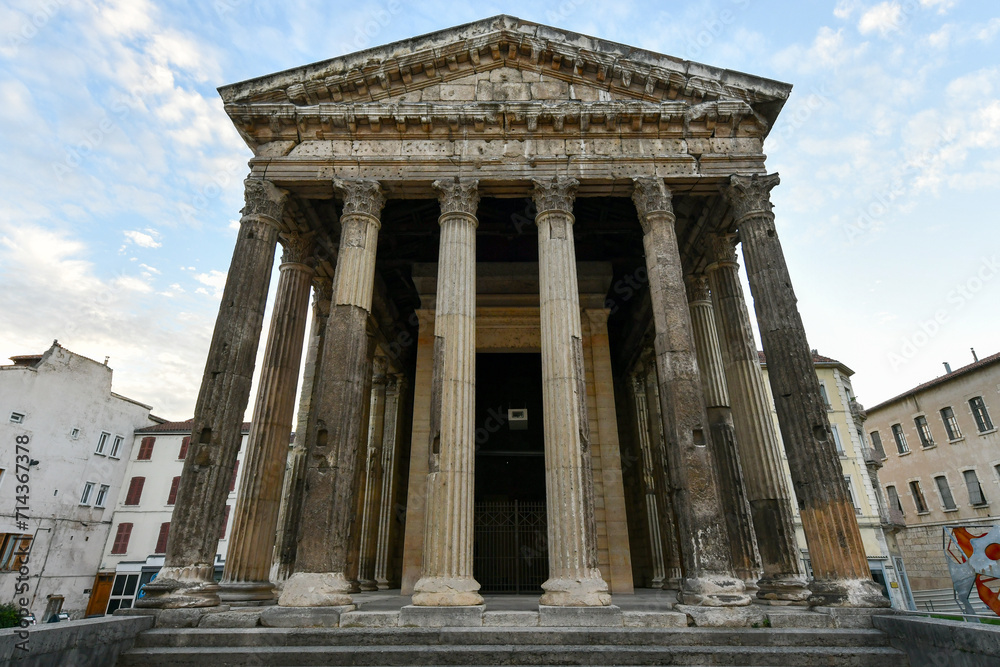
x: 383, y: 584
x: 316, y: 589
x: 368, y: 584
x: 181, y: 587
x: 446, y: 592
x: 846, y: 593
x: 783, y: 591
x: 588, y: 591
x: 246, y: 591
x: 713, y: 591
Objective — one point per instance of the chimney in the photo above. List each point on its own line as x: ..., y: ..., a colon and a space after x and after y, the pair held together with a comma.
x: 106, y: 360
x: 975, y: 358
x: 947, y: 367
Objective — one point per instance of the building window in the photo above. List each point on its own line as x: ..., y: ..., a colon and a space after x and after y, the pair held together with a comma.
x: 14, y: 549
x: 225, y: 523
x: 232, y: 482
x: 854, y: 497
x: 123, y: 592
x: 983, y: 421
x: 945, y: 491
x: 894, y: 501
x: 135, y: 491
x: 897, y: 433
x: 102, y: 495
x: 184, y: 447
x: 918, y: 497
x: 16, y: 417
x: 88, y: 489
x: 174, y: 485
x: 950, y: 423
x: 102, y: 442
x: 826, y: 397
x: 120, y: 545
x: 146, y: 449
x: 877, y: 444
x: 924, y: 431
x: 116, y: 447
x: 75, y: 433
x: 976, y: 497
x: 161, y: 540
x: 836, y: 439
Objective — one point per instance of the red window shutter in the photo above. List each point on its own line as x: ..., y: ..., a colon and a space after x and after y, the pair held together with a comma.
x: 232, y: 483
x: 135, y: 491
x: 225, y: 523
x: 161, y: 541
x: 146, y: 449
x: 174, y: 485
x: 184, y: 447
x: 121, y: 538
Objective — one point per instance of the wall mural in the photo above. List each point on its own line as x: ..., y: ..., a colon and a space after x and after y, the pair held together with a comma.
x: 973, y: 555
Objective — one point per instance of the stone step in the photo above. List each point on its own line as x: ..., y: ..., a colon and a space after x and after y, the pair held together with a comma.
x: 524, y: 654
x: 258, y: 637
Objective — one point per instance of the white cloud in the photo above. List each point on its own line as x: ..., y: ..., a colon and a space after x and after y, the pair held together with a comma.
x: 942, y: 6
x: 884, y: 18
x: 132, y: 283
x: 150, y: 269
x: 845, y: 8
x: 988, y: 31
x: 141, y: 239
x: 214, y: 279
x: 975, y: 86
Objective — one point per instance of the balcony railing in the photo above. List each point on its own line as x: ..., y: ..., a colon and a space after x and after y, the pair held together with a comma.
x: 895, y: 518
x: 858, y: 412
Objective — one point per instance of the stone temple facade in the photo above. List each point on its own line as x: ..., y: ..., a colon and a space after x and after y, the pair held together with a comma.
x: 530, y: 361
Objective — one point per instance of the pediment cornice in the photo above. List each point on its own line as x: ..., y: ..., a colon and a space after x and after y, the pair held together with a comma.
x: 624, y: 72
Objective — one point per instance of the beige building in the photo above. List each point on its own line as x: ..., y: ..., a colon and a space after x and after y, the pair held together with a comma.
x: 530, y: 359
x: 941, y: 467
x: 860, y: 470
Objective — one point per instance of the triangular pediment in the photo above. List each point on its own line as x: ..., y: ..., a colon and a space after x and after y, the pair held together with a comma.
x: 504, y: 59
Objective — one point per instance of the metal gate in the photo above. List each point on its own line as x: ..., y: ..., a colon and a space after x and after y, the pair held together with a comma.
x: 511, y: 547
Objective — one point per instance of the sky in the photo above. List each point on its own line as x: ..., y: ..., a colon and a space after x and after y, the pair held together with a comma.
x: 121, y: 177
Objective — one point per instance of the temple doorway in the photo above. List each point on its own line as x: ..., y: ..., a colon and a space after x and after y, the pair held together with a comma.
x: 510, y: 552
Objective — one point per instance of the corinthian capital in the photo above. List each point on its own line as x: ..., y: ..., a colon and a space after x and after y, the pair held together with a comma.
x: 296, y: 247
x: 555, y: 194
x: 651, y: 195
x: 263, y: 199
x: 750, y: 195
x: 457, y: 196
x: 362, y: 197
x: 722, y: 249
x: 697, y: 288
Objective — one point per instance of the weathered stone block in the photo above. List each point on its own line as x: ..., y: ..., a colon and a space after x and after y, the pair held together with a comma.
x: 654, y: 619
x: 369, y: 619
x: 602, y: 617
x: 723, y: 617
x: 303, y: 617
x: 511, y: 92
x: 798, y: 617
x: 852, y: 617
x: 186, y: 618
x: 511, y: 619
x: 231, y: 619
x: 441, y: 617
x: 549, y: 90
x: 451, y: 92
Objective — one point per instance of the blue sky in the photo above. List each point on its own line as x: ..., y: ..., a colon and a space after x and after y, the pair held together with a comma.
x: 122, y: 176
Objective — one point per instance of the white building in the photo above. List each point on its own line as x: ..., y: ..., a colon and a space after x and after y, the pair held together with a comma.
x: 79, y: 439
x: 135, y: 546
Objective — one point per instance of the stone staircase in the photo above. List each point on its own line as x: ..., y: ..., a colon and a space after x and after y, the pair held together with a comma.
x: 724, y: 647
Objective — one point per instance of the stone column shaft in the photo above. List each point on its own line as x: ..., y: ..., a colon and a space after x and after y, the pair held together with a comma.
x: 446, y: 575
x: 188, y: 576
x: 293, y: 487
x: 574, y: 577
x: 664, y: 498
x: 327, y: 531
x: 638, y: 386
x: 707, y: 563
x: 251, y: 544
x: 842, y: 576
x: 759, y: 446
x: 373, y: 479
x: 739, y: 524
x: 387, y: 501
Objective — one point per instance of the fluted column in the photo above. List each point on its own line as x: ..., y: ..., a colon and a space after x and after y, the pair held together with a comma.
x: 387, y: 500
x: 188, y: 576
x: 638, y: 387
x: 739, y: 525
x: 574, y: 577
x: 446, y: 575
x: 840, y: 568
x: 295, y: 467
x: 327, y: 527
x: 251, y: 544
x: 373, y: 478
x: 759, y: 446
x: 709, y: 578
